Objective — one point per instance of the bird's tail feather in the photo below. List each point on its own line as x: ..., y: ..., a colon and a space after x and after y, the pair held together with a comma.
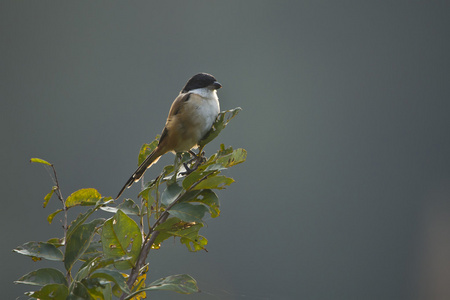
x: 147, y: 163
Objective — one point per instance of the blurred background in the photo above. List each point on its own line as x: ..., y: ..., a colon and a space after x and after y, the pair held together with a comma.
x: 345, y: 192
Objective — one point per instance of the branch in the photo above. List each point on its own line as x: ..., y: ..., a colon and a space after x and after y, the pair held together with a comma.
x: 63, y: 201
x: 151, y: 237
x: 61, y: 198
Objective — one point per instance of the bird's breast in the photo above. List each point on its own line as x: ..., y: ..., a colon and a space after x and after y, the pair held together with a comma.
x: 195, y: 121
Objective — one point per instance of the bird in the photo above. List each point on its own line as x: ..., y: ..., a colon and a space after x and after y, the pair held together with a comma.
x: 191, y: 116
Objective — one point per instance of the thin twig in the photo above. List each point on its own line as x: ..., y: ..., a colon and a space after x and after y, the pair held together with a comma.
x: 61, y: 198
x: 63, y: 201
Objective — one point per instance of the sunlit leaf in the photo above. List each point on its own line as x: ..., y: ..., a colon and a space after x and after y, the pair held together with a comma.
x: 84, y: 197
x: 177, y: 228
x: 58, y: 242
x: 193, y: 245
x: 168, y: 169
x: 53, y: 215
x: 149, y: 187
x: 140, y: 284
x: 194, y: 177
x: 236, y: 157
x: 48, y: 196
x: 188, y: 212
x: 221, y: 122
x: 215, y: 182
x: 79, y: 241
x: 43, y: 277
x: 52, y: 291
x: 41, y: 161
x: 224, y: 151
x: 182, y: 283
x: 146, y: 149
x: 40, y: 250
x: 121, y: 237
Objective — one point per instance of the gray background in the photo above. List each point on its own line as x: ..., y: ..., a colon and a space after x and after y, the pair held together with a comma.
x: 345, y: 193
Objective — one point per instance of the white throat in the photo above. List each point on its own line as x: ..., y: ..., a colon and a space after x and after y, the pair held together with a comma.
x: 205, y: 93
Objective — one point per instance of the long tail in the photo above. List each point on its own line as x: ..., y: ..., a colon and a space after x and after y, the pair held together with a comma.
x: 147, y: 163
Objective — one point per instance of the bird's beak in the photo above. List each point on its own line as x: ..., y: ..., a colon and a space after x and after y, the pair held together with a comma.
x: 216, y: 85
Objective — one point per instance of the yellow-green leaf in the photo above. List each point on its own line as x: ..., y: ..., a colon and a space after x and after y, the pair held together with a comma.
x: 52, y: 215
x: 215, y: 182
x: 41, y: 161
x: 48, y: 196
x: 83, y: 197
x: 121, y: 237
x: 146, y: 149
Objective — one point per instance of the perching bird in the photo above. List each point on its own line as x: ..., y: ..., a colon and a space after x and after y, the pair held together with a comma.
x: 190, y: 117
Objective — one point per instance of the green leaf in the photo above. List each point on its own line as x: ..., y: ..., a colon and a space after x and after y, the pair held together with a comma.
x: 181, y: 283
x: 206, y: 197
x: 41, y: 161
x: 196, y: 244
x: 167, y: 228
x: 43, y: 277
x: 113, y: 276
x: 221, y: 122
x: 121, y: 237
x: 78, y: 292
x: 84, y: 197
x: 87, y: 268
x: 149, y: 187
x: 194, y: 177
x: 128, y: 206
x: 236, y: 157
x: 214, y: 182
x: 98, y: 289
x: 83, y: 217
x: 51, y: 292
x: 146, y: 149
x: 79, y: 241
x: 48, y: 196
x: 188, y: 212
x: 94, y: 250
x: 40, y: 250
x: 171, y: 193
x: 96, y: 263
x: 53, y: 215
x: 185, y: 230
x: 58, y: 242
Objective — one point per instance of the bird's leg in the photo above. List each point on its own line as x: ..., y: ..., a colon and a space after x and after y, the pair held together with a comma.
x: 197, y: 158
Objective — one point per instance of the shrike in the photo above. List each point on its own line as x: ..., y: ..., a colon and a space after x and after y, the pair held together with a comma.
x: 190, y: 117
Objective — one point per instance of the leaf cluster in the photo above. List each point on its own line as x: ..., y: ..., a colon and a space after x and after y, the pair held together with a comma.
x: 106, y: 258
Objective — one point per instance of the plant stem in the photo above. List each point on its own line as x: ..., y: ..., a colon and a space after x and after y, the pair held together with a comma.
x: 151, y: 237
x: 63, y: 201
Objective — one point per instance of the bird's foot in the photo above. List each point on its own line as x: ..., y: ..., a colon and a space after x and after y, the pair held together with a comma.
x: 197, y: 160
